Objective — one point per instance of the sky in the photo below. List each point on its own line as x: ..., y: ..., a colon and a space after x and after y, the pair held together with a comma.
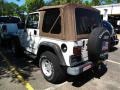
x: 21, y: 2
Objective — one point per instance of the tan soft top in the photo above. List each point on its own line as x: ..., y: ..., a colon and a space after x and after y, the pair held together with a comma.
x: 65, y: 5
x: 68, y: 22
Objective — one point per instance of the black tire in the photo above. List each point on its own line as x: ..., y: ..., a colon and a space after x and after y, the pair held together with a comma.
x: 98, y: 40
x: 57, y: 75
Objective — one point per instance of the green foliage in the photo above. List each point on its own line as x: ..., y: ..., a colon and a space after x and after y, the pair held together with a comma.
x: 33, y: 5
x: 96, y: 2
x: 11, y: 9
x: 118, y: 1
x: 102, y: 2
x: 87, y: 3
x: 8, y: 8
x: 57, y: 2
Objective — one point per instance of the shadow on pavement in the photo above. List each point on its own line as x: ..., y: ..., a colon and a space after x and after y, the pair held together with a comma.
x: 113, y: 49
x: 85, y: 77
x: 4, y: 73
x: 23, y: 66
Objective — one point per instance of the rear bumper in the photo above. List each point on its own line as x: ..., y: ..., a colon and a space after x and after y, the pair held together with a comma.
x: 76, y: 70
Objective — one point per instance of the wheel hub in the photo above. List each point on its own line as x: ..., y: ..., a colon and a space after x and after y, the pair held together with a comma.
x: 47, y: 67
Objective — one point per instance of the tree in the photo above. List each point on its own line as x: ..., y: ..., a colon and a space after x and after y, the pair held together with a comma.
x: 22, y: 11
x: 2, y: 2
x: 87, y: 3
x: 33, y: 5
x: 57, y: 2
x: 118, y: 1
x: 74, y: 1
x: 95, y: 2
x: 10, y: 8
x: 101, y: 2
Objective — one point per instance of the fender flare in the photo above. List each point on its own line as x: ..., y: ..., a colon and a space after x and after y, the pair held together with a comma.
x: 56, y: 49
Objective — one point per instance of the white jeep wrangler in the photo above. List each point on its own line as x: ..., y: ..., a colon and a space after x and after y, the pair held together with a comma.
x: 64, y: 38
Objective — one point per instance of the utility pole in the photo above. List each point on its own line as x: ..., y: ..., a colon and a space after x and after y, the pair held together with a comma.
x: 2, y: 5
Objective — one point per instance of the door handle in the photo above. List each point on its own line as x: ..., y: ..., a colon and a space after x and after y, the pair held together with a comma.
x: 35, y: 32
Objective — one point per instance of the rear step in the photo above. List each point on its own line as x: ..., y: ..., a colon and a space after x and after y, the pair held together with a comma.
x: 79, y: 69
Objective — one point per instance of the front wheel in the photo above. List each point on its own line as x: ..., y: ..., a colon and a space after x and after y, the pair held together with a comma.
x: 51, y: 69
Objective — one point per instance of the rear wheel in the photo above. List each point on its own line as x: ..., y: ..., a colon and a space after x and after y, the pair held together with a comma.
x: 51, y: 69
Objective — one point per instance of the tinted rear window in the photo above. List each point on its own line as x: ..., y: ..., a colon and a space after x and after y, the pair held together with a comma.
x: 86, y: 20
x: 9, y: 20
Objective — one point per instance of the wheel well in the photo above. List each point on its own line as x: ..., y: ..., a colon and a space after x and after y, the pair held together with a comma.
x: 54, y: 49
x: 44, y: 48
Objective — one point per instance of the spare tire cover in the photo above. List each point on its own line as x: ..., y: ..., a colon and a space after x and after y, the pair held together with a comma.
x: 98, y: 44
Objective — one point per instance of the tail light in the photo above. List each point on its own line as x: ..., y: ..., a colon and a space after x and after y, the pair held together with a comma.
x: 77, y: 50
x: 4, y: 28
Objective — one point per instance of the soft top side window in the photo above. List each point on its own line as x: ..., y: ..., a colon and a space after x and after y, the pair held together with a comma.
x: 52, y: 21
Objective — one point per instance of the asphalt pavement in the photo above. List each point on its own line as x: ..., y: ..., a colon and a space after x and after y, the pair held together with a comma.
x: 23, y: 74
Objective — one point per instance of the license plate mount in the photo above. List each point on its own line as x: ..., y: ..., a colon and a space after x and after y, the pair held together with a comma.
x: 87, y: 67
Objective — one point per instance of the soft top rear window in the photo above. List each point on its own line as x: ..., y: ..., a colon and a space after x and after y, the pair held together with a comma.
x: 9, y: 20
x: 86, y: 20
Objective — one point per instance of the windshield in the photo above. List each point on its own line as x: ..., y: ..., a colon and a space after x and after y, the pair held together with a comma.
x: 9, y: 20
x: 86, y: 20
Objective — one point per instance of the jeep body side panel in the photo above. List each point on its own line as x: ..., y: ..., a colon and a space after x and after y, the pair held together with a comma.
x: 56, y: 45
x: 53, y: 43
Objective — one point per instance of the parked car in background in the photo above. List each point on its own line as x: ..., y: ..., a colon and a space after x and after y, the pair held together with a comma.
x: 9, y: 26
x: 113, y: 36
x: 117, y: 29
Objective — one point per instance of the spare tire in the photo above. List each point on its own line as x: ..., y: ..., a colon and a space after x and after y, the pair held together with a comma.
x: 98, y: 44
